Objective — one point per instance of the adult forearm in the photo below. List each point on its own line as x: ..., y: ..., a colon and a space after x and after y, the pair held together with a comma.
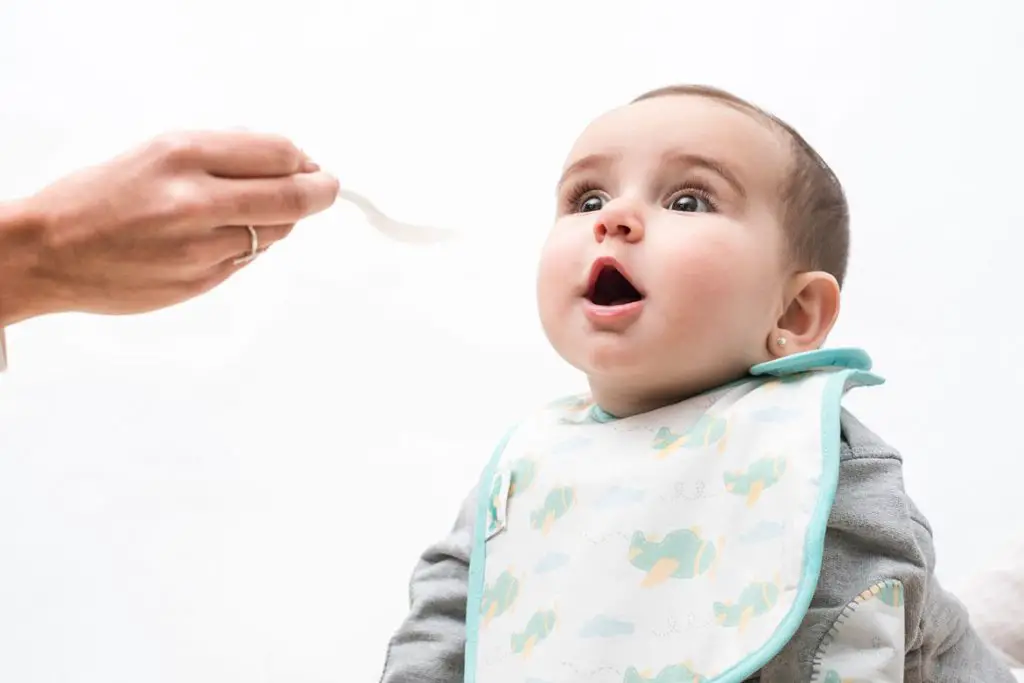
x: 21, y: 242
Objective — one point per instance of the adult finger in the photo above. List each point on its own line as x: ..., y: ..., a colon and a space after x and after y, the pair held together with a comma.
x: 272, y: 201
x: 231, y: 242
x: 201, y: 281
x: 234, y: 154
x: 188, y: 258
x: 211, y: 278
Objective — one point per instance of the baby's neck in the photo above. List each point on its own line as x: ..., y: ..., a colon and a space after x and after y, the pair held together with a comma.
x: 621, y: 399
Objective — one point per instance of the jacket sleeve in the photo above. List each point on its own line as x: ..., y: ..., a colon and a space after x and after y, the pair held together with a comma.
x: 429, y: 646
x: 879, y: 545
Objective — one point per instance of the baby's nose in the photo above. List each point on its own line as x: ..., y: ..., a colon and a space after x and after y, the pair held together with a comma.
x: 620, y: 218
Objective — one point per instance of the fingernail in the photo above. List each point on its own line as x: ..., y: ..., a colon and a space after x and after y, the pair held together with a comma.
x: 308, y: 165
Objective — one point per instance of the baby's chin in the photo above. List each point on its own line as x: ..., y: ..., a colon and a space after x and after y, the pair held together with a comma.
x: 620, y: 366
x: 612, y: 355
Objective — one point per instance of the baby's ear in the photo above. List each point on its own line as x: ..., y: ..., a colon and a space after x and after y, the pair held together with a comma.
x: 811, y: 311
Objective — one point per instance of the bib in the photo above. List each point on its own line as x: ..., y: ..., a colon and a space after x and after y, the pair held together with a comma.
x: 676, y: 546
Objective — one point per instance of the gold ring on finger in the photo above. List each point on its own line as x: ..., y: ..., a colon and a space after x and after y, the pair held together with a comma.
x: 254, y: 247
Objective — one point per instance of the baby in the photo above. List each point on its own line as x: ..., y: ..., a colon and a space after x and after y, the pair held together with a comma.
x: 708, y: 512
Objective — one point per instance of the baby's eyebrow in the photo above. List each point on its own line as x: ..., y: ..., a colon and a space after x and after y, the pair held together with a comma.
x: 690, y: 160
x: 591, y: 162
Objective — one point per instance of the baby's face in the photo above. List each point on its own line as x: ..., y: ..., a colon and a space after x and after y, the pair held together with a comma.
x: 664, y: 272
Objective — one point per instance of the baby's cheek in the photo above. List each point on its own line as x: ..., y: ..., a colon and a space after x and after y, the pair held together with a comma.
x: 703, y: 274
x: 714, y: 285
x: 559, y: 262
x: 554, y: 281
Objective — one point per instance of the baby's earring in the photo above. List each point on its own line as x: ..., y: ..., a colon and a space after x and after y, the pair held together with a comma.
x: 781, y: 341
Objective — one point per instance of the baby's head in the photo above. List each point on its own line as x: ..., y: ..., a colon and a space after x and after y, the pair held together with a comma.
x: 696, y: 236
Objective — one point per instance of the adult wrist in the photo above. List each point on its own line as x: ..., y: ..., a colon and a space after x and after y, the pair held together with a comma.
x: 21, y: 243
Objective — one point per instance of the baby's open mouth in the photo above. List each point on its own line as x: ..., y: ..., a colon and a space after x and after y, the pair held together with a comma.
x: 611, y: 288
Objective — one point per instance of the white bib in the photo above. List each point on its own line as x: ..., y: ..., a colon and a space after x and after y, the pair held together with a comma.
x: 679, y: 545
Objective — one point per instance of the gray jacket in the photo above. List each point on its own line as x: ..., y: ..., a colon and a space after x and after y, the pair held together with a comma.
x: 875, y: 532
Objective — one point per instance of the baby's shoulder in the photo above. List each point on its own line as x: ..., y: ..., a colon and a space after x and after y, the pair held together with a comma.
x: 860, y: 442
x: 871, y: 486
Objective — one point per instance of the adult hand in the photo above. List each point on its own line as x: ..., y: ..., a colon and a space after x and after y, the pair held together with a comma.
x: 156, y: 226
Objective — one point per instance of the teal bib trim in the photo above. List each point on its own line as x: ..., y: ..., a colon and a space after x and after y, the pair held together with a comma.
x: 853, y: 359
x: 477, y: 559
x: 598, y: 414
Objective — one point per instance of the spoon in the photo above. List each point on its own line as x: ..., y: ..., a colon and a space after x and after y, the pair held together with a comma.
x: 396, y: 230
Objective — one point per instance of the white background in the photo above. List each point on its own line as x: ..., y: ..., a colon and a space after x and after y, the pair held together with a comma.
x: 235, y: 490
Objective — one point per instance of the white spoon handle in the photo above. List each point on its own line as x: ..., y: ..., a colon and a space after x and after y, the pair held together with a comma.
x: 396, y: 230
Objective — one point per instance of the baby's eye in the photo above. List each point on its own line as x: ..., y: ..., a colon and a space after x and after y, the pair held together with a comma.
x: 589, y: 203
x: 689, y: 202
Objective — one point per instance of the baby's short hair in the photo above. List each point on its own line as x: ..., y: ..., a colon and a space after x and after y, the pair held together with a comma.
x: 816, y: 216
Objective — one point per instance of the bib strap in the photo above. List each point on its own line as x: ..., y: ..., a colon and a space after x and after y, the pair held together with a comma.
x: 821, y: 359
